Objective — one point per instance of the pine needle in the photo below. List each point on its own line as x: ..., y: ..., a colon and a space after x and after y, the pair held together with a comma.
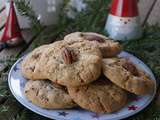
x: 25, y: 9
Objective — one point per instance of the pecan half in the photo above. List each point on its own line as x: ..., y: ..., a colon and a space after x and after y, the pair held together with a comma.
x: 93, y: 38
x: 130, y: 67
x: 68, y: 56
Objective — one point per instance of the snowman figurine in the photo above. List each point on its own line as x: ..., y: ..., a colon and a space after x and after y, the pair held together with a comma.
x: 123, y: 21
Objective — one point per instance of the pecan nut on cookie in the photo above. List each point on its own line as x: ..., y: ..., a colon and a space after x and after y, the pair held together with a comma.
x: 46, y: 94
x: 108, y: 47
x: 128, y: 76
x: 71, y: 64
x: 68, y: 64
x: 100, y: 96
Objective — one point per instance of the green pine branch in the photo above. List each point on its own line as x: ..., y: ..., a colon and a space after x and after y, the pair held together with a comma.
x: 93, y: 19
x: 25, y: 9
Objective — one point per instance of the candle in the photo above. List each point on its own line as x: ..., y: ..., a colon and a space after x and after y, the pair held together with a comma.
x: 47, y: 11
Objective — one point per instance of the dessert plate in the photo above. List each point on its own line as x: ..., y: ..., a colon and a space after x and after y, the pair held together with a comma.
x: 136, y: 103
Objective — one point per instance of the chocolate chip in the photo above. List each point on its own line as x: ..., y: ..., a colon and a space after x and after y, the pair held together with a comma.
x: 35, y: 56
x: 32, y: 68
x: 26, y: 91
x: 32, y: 88
x: 86, y: 88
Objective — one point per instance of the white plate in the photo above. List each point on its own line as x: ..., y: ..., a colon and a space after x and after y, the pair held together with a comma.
x: 137, y: 103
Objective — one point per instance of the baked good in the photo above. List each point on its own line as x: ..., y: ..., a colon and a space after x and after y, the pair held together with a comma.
x: 100, y: 96
x: 46, y: 94
x: 68, y: 64
x: 108, y: 47
x: 126, y: 75
x: 30, y: 63
x: 73, y: 64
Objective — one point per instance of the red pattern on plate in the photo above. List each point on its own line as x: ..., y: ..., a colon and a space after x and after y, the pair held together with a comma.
x: 132, y: 107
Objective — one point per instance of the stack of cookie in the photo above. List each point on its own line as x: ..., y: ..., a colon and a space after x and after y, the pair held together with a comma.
x: 82, y: 70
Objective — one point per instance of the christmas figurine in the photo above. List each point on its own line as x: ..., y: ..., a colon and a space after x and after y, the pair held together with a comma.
x: 12, y: 34
x: 123, y: 21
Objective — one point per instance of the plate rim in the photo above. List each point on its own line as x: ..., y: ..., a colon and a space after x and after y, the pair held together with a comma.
x: 51, y: 117
x: 19, y: 100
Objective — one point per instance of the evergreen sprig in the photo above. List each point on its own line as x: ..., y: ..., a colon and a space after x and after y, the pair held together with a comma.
x: 25, y: 9
x: 94, y: 19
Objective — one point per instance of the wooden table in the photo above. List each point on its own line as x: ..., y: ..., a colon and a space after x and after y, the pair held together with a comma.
x: 149, y: 13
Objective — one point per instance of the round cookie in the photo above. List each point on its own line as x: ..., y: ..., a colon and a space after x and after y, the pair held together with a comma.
x: 108, y: 47
x: 126, y: 75
x: 45, y: 94
x: 101, y: 96
x: 71, y: 64
x: 30, y: 63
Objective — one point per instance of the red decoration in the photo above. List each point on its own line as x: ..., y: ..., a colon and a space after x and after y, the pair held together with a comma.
x: 12, y: 33
x: 124, y: 8
x: 123, y: 20
x: 132, y: 107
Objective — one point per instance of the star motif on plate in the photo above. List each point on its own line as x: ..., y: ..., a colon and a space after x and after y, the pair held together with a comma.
x: 95, y: 115
x: 15, y: 68
x: 63, y: 113
x: 132, y: 107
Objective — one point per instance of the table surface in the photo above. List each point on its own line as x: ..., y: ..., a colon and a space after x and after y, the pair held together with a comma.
x: 148, y: 10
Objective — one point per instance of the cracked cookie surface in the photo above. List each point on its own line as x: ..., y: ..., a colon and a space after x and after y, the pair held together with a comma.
x: 30, y: 63
x: 108, y: 47
x: 46, y: 94
x: 71, y: 64
x: 66, y: 63
x: 101, y: 96
x: 126, y: 75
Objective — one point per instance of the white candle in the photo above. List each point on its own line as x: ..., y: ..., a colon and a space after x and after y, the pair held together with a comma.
x: 46, y: 10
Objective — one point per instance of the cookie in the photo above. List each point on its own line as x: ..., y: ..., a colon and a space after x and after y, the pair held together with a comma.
x: 68, y: 64
x: 100, y: 96
x: 72, y: 64
x: 30, y: 63
x: 45, y: 94
x: 126, y: 75
x: 108, y: 47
